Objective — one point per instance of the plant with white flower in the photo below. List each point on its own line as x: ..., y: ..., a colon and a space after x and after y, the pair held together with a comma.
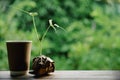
x: 41, y: 64
x: 51, y: 25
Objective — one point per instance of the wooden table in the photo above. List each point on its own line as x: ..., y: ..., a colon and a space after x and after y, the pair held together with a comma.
x: 68, y: 75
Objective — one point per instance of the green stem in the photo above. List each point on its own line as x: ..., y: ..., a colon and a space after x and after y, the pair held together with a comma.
x: 45, y: 33
x: 43, y: 37
x: 20, y: 10
x: 35, y: 29
x: 38, y: 36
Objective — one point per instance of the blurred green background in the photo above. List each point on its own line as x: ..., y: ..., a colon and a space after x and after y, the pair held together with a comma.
x: 91, y: 40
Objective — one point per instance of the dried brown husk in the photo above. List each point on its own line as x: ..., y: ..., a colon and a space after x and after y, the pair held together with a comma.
x: 42, y: 65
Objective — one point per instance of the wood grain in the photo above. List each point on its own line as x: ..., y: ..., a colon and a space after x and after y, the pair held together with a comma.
x: 68, y: 75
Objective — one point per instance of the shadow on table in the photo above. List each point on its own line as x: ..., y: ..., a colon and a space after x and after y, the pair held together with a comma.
x: 31, y: 77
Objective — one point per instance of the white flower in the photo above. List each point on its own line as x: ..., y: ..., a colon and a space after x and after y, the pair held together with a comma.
x: 33, y: 13
x: 50, y: 22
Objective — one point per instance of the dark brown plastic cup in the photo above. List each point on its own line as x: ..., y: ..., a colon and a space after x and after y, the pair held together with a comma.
x: 19, y: 53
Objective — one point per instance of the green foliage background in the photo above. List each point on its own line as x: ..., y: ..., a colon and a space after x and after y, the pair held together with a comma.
x: 91, y: 40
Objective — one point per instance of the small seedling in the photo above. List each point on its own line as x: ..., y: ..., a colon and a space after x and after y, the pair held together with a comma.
x: 42, y: 65
x: 51, y: 25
